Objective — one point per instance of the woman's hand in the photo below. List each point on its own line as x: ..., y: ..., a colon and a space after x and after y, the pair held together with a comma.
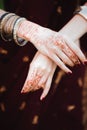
x: 40, y: 75
x: 56, y: 46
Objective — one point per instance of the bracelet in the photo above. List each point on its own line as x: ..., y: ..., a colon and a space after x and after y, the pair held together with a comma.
x: 4, y: 19
x: 9, y: 25
x: 3, y: 16
x: 19, y: 41
x: 83, y: 12
x: 12, y: 34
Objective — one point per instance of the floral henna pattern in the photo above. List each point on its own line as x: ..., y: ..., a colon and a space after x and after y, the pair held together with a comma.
x: 47, y: 42
x: 32, y: 85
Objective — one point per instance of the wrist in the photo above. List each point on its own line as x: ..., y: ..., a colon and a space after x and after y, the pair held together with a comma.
x: 75, y: 28
x: 9, y: 23
x: 83, y: 11
x: 27, y: 29
x: 2, y: 12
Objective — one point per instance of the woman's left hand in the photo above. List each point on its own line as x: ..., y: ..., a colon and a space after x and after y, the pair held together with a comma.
x: 59, y: 47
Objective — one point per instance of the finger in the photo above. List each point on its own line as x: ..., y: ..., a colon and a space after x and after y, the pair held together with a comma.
x: 28, y: 85
x: 47, y: 88
x: 56, y: 59
x: 35, y: 82
x: 40, y: 78
x: 71, y: 55
x: 67, y: 50
x: 43, y: 79
x: 36, y: 55
x: 32, y: 72
x: 48, y: 83
x: 76, y: 50
x: 64, y: 57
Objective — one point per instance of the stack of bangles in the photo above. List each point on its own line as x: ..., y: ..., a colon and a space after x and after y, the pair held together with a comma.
x: 9, y: 23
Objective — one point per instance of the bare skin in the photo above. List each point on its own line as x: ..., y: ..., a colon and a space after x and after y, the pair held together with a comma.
x: 54, y: 49
x: 40, y: 74
x: 59, y: 47
x: 52, y: 44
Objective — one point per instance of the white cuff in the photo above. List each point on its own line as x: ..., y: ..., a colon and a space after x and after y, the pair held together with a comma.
x: 83, y: 12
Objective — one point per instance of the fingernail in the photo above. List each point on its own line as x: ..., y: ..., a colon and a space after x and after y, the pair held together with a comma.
x: 70, y: 72
x: 22, y: 91
x: 41, y: 98
x: 85, y: 62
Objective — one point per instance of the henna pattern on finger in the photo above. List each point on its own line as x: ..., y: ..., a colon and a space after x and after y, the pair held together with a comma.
x: 27, y: 87
x: 66, y: 49
x: 32, y: 85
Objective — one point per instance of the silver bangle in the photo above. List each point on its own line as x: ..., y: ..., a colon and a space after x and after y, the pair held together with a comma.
x: 19, y: 41
x: 5, y: 37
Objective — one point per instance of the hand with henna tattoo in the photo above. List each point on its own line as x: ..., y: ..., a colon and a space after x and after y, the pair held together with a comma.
x: 40, y: 75
x: 42, y: 68
x: 54, y: 45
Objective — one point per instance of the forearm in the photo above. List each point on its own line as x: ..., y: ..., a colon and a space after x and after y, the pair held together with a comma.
x: 1, y: 12
x: 75, y: 28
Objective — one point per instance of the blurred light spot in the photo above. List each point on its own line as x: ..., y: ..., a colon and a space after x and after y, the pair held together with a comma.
x: 80, y: 83
x: 59, y: 10
x: 84, y: 93
x: 3, y: 51
x: 22, y: 106
x: 2, y: 107
x: 35, y: 120
x: 84, y: 101
x: 71, y: 107
x: 25, y: 59
x: 2, y: 89
x: 84, y: 108
x: 59, y: 76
